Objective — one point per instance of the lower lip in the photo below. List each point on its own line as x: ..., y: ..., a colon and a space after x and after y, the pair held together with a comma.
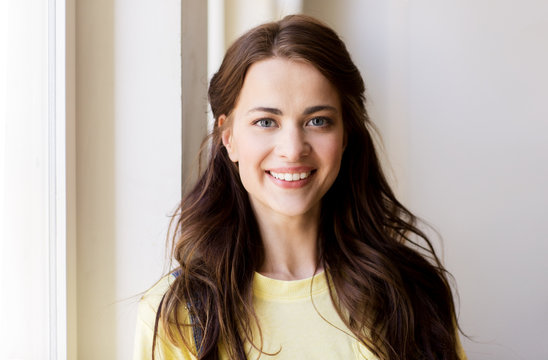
x: 291, y: 184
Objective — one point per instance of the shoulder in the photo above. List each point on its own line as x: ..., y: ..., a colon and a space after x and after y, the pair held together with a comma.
x: 149, y: 303
x: 146, y: 324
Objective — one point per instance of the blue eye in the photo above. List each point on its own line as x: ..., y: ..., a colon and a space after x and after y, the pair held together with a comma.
x: 318, y: 121
x: 265, y: 123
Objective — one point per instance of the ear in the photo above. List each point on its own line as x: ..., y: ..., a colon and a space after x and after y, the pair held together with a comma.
x: 226, y: 138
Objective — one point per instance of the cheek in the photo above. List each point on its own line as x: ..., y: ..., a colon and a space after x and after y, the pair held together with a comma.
x: 250, y: 169
x: 251, y: 152
x: 331, y: 150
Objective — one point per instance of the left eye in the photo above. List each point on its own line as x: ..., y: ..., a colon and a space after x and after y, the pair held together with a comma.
x: 318, y: 121
x: 266, y: 123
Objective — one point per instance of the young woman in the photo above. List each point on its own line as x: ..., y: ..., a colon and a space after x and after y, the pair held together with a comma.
x: 292, y: 245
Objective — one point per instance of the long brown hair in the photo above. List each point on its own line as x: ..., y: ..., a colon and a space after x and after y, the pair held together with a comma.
x: 390, y: 287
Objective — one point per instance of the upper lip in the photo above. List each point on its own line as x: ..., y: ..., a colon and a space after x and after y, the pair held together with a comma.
x: 294, y: 169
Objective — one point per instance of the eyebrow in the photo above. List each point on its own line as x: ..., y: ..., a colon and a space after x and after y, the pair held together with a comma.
x: 315, y: 109
x: 307, y: 111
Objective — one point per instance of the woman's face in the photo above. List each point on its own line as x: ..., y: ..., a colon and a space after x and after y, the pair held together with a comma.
x: 286, y: 133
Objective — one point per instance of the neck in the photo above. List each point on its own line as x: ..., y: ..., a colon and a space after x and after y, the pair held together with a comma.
x: 290, y: 245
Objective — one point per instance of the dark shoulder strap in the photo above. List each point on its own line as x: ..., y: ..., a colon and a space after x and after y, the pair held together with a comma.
x: 196, y: 330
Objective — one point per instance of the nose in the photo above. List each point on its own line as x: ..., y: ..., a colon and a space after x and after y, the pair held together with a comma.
x: 292, y: 144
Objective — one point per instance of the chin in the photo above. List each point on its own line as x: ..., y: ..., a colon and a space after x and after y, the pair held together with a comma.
x: 292, y: 210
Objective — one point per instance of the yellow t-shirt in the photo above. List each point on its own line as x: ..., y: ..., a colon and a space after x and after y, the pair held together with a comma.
x: 293, y: 326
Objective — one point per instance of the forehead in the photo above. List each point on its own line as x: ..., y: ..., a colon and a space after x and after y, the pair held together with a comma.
x: 285, y: 84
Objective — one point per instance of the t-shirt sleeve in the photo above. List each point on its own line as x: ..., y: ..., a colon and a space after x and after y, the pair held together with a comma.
x: 460, y: 349
x: 144, y: 332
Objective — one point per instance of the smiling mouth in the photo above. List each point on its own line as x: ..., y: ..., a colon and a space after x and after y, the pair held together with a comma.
x: 296, y: 176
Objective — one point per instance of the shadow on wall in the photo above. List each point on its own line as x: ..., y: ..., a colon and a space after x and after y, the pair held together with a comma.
x: 96, y: 188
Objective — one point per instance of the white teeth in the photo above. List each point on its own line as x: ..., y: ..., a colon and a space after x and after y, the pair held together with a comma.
x: 290, y: 176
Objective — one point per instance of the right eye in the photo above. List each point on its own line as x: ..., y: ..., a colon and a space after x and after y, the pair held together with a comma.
x: 266, y: 123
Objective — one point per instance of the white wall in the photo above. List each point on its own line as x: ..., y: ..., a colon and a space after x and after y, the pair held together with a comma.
x: 25, y: 170
x: 458, y: 90
x: 242, y: 15
x: 128, y: 143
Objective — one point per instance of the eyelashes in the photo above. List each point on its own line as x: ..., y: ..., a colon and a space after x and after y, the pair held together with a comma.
x: 319, y: 121
x: 265, y: 123
x: 316, y: 121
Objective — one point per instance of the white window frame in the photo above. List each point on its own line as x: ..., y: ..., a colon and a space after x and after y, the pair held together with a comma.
x: 57, y: 172
x: 48, y: 116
